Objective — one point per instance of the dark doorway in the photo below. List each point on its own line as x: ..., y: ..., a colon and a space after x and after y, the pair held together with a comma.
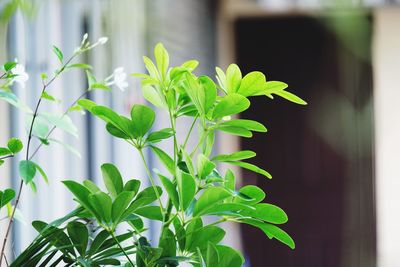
x: 320, y: 155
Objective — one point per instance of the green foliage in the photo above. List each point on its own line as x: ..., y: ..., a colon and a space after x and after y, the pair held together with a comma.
x: 191, y: 190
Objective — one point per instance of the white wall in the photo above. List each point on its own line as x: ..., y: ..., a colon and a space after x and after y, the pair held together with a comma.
x: 386, y: 62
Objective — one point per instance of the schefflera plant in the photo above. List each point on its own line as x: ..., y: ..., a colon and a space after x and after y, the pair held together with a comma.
x: 192, y: 185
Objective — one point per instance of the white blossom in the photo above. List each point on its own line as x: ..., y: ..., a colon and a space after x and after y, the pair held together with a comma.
x: 120, y: 78
x: 21, y: 76
x: 102, y: 40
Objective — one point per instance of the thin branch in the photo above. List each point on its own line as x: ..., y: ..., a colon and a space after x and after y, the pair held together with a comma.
x: 27, y: 154
x: 6, y: 157
x: 123, y: 250
x: 151, y: 180
x: 190, y: 131
x: 54, y: 127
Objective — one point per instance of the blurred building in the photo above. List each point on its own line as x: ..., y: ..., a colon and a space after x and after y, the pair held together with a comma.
x: 334, y: 161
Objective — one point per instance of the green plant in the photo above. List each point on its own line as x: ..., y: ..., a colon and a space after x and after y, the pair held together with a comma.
x: 190, y: 189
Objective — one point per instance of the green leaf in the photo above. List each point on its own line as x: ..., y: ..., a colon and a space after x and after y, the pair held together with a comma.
x: 171, y: 190
x: 151, y: 68
x: 27, y: 170
x: 80, y: 66
x: 93, y: 188
x: 221, y: 77
x: 209, y: 143
x: 151, y: 95
x: 58, y: 53
x: 235, y: 130
x: 230, y: 180
x: 193, y: 227
x: 4, y: 151
x: 204, y: 166
x: 240, y: 155
x: 254, y: 192
x: 112, y: 179
x: 114, y: 131
x: 195, y: 93
x: 108, y: 115
x: 250, y: 167
x: 9, y: 65
x: 200, y: 238
x: 81, y: 194
x: 252, y: 84
x: 267, y: 212
x: 15, y: 101
x: 272, y: 231
x: 42, y: 173
x: 165, y: 159
x: 291, y: 97
x: 190, y: 64
x: 278, y: 88
x: 142, y: 119
x: 87, y: 104
x: 210, y: 92
x: 231, y: 104
x: 120, y: 204
x: 188, y: 161
x: 167, y: 243
x: 98, y: 241
x: 150, y: 212
x: 1, y: 162
x: 78, y: 233
x: 233, y: 78
x: 145, y: 197
x: 67, y: 147
x: 47, y: 96
x: 231, y: 208
x: 132, y: 185
x: 212, y: 257
x: 157, y: 136
x: 229, y: 257
x: 211, y: 196
x: 246, y: 124
x: 14, y: 145
x: 6, y: 197
x: 63, y: 122
x: 102, y: 203
x: 272, y: 87
x: 187, y: 189
x: 162, y: 59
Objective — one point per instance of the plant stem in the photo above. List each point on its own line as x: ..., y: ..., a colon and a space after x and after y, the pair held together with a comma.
x: 151, y: 179
x: 203, y: 137
x: 119, y: 245
x: 21, y: 184
x: 6, y: 157
x: 190, y: 131
x: 54, y: 127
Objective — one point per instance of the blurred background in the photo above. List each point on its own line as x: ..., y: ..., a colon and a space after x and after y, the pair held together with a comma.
x: 335, y: 162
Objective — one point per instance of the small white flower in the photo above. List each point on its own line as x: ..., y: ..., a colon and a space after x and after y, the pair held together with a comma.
x: 102, y: 40
x: 85, y: 36
x: 22, y: 76
x: 120, y: 78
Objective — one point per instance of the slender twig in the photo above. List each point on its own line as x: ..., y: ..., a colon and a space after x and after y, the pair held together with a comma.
x: 54, y: 127
x: 123, y: 250
x: 151, y: 179
x: 202, y: 138
x: 5, y: 258
x: 6, y: 157
x: 21, y: 184
x: 190, y: 131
